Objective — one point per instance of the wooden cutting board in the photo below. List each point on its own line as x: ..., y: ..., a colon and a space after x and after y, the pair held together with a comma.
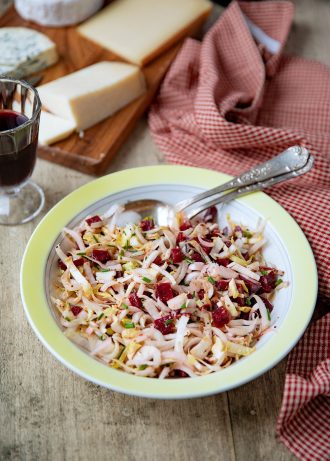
x: 92, y: 150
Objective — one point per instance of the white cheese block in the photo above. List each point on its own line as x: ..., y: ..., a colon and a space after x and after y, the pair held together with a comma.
x: 139, y: 30
x: 25, y: 51
x: 4, y: 6
x: 57, y: 12
x: 93, y: 93
x: 53, y: 128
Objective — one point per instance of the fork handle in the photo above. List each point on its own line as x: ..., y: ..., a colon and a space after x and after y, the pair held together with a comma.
x: 290, y: 160
x: 260, y: 185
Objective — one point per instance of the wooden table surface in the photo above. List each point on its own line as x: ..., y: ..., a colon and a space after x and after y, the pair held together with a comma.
x: 48, y: 413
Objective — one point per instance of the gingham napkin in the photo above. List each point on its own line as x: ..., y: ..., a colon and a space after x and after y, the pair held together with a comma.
x: 233, y: 101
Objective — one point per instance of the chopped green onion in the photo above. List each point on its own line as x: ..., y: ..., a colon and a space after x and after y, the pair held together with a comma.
x: 81, y: 253
x: 67, y: 319
x: 278, y: 282
x: 247, y: 234
x: 145, y: 279
x: 169, y: 321
x: 248, y: 302
x: 142, y: 367
x: 125, y: 306
x: 211, y: 280
x: 100, y: 316
x: 101, y: 338
x: 184, y: 306
x: 121, y: 253
x: 129, y: 325
x: 268, y: 314
x: 105, y: 270
x: 189, y: 261
x: 95, y: 238
x: 264, y: 272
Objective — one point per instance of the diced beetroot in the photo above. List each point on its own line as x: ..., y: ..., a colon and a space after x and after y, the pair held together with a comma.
x: 228, y: 243
x: 240, y: 288
x: 185, y: 225
x: 225, y: 231
x: 222, y: 285
x: 135, y: 300
x: 76, y: 310
x: 205, y: 248
x: 61, y: 265
x: 165, y: 324
x: 267, y: 303
x: 211, y: 214
x: 158, y: 261
x: 147, y: 224
x: 237, y: 229
x: 93, y: 219
x: 164, y: 292
x: 206, y: 307
x: 101, y: 255
x: 268, y: 282
x: 201, y: 294
x: 197, y: 257
x: 239, y: 301
x: 176, y: 255
x: 180, y: 238
x: 181, y: 374
x: 78, y: 262
x: 189, y: 296
x: 220, y: 317
x: 253, y: 287
x: 215, y: 232
x: 223, y: 261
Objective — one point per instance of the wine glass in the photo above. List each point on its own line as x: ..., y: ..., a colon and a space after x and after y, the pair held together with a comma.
x: 20, y: 198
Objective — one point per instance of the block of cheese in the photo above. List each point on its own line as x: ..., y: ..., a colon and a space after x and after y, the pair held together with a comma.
x: 139, y: 30
x: 57, y: 12
x: 93, y: 93
x: 53, y: 128
x: 25, y: 51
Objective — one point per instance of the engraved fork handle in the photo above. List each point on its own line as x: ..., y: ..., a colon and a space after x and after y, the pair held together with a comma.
x: 290, y: 160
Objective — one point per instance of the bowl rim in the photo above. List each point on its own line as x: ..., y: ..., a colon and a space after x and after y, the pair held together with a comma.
x: 44, y: 325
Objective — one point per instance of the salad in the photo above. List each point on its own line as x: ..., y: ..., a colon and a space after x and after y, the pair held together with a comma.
x: 165, y: 302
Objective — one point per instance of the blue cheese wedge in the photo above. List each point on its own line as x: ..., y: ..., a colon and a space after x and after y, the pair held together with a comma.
x: 94, y: 93
x: 25, y: 51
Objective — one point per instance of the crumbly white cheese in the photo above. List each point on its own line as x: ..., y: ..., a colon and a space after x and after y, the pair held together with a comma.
x: 25, y: 51
x: 57, y: 12
x: 138, y: 30
x: 93, y: 93
x: 4, y: 6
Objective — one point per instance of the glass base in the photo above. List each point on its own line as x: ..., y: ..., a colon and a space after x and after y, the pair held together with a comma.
x: 21, y: 205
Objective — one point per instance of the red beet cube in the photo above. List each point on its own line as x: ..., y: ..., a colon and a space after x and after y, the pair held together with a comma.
x: 78, y: 262
x: 180, y: 238
x: 222, y: 285
x: 253, y: 287
x: 93, y: 219
x: 101, y: 255
x: 223, y: 261
x: 176, y: 255
x: 185, y: 225
x: 76, y: 310
x: 61, y: 265
x: 220, y: 317
x: 147, y: 224
x: 197, y: 257
x: 158, y: 261
x: 201, y: 294
x: 134, y: 300
x: 267, y: 303
x: 164, y: 292
x: 165, y: 324
x: 211, y: 214
x: 181, y: 374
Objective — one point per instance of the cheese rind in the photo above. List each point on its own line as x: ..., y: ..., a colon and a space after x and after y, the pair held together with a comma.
x: 57, y: 12
x: 5, y: 5
x: 93, y: 93
x: 24, y: 51
x: 139, y: 29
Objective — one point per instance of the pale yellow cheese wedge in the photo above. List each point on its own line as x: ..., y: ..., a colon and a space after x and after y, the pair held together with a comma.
x: 139, y: 30
x: 53, y: 128
x: 94, y: 93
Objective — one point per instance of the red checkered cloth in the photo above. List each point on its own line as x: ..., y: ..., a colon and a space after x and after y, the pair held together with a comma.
x: 233, y: 101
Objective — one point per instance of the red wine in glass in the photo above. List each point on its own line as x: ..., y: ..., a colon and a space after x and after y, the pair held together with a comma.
x: 16, y: 167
